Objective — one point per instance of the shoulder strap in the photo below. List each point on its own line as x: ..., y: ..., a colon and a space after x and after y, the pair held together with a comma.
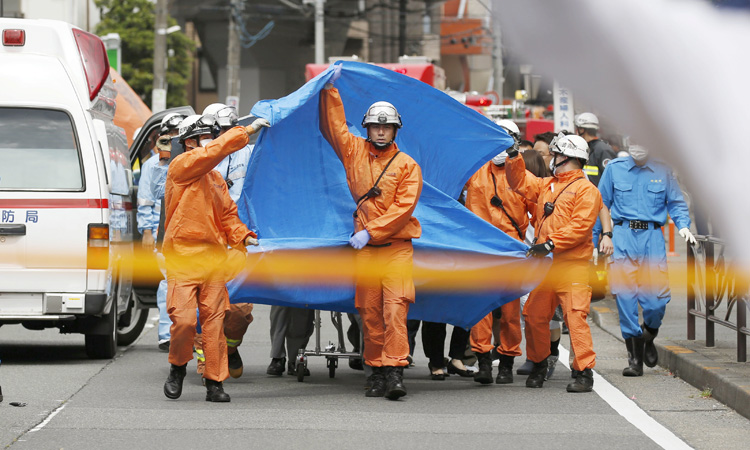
x: 512, y: 222
x: 373, y: 190
x: 539, y: 228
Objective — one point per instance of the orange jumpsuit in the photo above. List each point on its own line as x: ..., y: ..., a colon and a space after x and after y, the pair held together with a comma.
x: 569, y: 227
x: 382, y: 300
x: 480, y: 191
x: 201, y: 221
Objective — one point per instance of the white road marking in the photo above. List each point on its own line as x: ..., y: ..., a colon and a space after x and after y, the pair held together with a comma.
x: 46, y: 421
x: 630, y: 410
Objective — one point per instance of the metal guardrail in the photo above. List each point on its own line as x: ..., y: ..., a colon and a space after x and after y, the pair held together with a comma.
x: 712, y: 282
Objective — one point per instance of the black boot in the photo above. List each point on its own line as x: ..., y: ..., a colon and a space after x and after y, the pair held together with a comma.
x: 276, y: 368
x: 538, y: 372
x: 635, y: 357
x: 650, y: 355
x: 484, y: 374
x: 235, y: 364
x: 215, y: 392
x: 394, y: 383
x: 505, y: 370
x: 173, y: 385
x: 583, y: 383
x: 376, y: 381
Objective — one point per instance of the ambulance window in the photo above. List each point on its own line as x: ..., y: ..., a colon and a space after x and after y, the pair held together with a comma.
x: 38, y: 151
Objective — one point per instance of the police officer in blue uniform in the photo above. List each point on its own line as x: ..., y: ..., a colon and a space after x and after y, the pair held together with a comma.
x: 639, y: 192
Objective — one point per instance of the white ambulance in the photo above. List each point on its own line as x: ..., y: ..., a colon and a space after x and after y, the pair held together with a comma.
x: 66, y: 229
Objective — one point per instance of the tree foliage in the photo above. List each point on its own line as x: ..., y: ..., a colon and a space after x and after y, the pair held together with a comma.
x: 134, y: 20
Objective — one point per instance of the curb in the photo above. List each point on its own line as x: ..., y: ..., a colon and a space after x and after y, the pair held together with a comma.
x: 729, y: 381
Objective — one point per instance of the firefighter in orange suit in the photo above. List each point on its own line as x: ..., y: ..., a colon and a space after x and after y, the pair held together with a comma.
x: 201, y: 223
x: 386, y: 184
x: 489, y: 196
x: 567, y: 205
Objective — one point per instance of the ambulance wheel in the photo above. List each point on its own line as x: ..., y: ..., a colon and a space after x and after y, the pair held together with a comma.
x: 332, y: 363
x: 136, y: 320
x: 104, y: 346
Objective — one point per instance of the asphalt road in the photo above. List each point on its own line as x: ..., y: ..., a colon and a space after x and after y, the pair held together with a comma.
x: 76, y: 403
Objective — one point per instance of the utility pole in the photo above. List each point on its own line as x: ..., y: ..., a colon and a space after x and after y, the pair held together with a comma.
x: 320, y: 31
x: 497, y: 56
x: 233, y: 56
x: 159, y: 92
x: 402, y: 28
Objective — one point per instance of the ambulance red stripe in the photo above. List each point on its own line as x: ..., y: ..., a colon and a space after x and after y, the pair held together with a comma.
x: 37, y: 203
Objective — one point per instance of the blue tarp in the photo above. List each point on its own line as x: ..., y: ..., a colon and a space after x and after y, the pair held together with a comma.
x: 296, y: 197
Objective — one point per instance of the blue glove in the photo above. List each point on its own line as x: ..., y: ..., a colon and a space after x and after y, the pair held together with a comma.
x: 336, y: 73
x: 360, y: 239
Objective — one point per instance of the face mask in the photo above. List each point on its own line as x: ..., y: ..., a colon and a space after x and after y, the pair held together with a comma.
x: 499, y: 160
x: 205, y: 141
x: 638, y: 153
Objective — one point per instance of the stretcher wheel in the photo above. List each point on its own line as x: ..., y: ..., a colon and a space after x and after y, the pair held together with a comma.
x: 332, y: 363
x: 300, y: 369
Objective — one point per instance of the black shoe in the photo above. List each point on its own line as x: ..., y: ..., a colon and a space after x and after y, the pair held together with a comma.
x: 460, y: 372
x: 235, y: 364
x: 164, y: 346
x: 505, y: 370
x: 536, y: 377
x: 215, y: 392
x: 565, y: 329
x: 650, y: 355
x: 551, y: 363
x: 291, y: 369
x: 635, y: 357
x: 276, y: 367
x: 394, y: 383
x: 583, y: 383
x: 356, y: 364
x: 574, y: 373
x: 484, y: 374
x: 376, y: 383
x: 173, y: 385
x: 436, y: 376
x: 525, y: 369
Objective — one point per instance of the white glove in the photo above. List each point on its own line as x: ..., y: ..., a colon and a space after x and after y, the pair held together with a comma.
x: 360, y: 239
x: 258, y: 123
x: 596, y: 255
x: 250, y: 241
x: 684, y: 232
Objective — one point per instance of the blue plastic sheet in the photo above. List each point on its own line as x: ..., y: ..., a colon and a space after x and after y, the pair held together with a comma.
x: 296, y: 197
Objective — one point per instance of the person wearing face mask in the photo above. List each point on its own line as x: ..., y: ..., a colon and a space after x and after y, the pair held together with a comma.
x: 233, y: 169
x: 201, y: 224
x: 385, y: 183
x: 640, y: 191
x: 567, y: 205
x: 489, y: 196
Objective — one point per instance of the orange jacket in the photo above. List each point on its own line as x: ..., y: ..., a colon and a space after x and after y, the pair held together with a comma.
x: 201, y: 218
x: 479, y: 193
x: 387, y: 217
x: 570, y: 224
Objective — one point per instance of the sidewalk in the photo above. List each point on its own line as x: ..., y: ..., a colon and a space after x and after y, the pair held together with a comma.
x: 715, y: 368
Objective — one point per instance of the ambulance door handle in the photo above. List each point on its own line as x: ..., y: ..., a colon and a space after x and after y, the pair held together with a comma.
x: 13, y: 230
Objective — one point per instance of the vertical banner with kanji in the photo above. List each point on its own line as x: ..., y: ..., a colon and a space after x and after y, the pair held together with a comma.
x: 563, y: 108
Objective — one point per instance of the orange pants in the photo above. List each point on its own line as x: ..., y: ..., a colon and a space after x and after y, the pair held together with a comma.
x: 567, y: 284
x: 212, y: 300
x: 383, y: 299
x: 236, y: 321
x: 510, y: 331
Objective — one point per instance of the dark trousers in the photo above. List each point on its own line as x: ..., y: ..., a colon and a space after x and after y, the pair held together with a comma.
x: 433, y: 341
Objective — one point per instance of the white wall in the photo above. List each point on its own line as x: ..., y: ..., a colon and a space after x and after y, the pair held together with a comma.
x: 81, y: 13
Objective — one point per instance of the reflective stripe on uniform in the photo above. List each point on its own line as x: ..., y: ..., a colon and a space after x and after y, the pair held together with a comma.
x: 200, y: 356
x: 592, y: 171
x: 144, y: 202
x: 233, y: 342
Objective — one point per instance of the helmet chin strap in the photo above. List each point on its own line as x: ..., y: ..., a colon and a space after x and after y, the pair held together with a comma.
x: 379, y: 146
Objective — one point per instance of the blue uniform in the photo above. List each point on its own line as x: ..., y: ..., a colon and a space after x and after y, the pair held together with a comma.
x: 639, y: 263
x: 149, y: 210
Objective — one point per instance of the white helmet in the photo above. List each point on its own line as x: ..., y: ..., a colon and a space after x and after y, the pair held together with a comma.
x: 170, y: 122
x: 570, y: 145
x: 226, y: 116
x: 510, y: 126
x: 382, y: 112
x: 196, y: 125
x: 586, y: 120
